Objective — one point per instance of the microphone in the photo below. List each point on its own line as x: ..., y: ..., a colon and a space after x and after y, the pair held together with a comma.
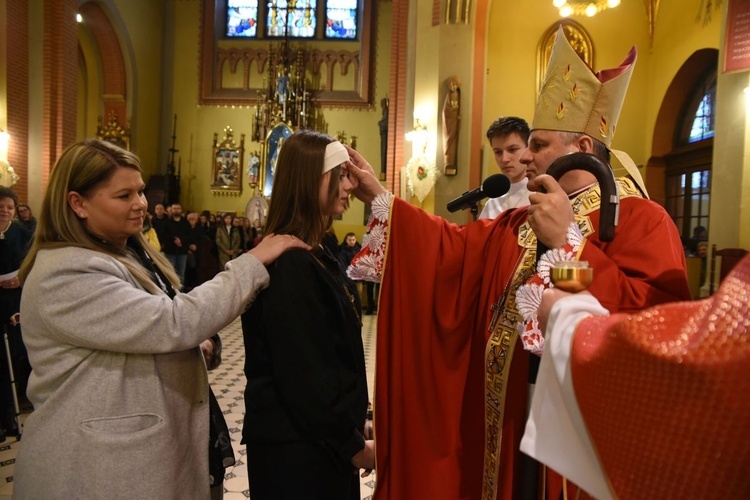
x: 492, y: 187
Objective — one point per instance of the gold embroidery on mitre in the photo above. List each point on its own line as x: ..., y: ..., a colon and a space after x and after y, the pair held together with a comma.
x: 588, y: 98
x: 560, y: 111
x: 574, y: 92
x: 547, y: 86
x: 603, y: 127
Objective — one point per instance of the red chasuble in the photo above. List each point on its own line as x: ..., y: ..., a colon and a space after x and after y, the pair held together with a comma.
x: 451, y: 383
x: 676, y: 380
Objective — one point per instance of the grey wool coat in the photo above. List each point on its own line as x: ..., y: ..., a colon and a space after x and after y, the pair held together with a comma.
x: 119, y: 388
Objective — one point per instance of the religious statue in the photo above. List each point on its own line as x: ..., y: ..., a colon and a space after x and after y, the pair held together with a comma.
x: 282, y: 88
x: 383, y: 125
x: 253, y: 169
x: 451, y: 124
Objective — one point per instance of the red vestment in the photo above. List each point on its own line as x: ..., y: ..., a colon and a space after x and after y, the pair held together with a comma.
x: 664, y: 395
x: 439, y: 282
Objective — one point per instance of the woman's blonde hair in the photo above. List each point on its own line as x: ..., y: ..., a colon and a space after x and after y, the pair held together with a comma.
x: 82, y: 168
x: 295, y: 208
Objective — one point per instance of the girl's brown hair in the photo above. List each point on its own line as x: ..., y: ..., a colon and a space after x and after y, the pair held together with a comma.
x: 295, y: 208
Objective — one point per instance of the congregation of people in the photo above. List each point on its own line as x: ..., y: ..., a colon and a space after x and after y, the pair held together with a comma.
x: 112, y: 310
x: 199, y: 244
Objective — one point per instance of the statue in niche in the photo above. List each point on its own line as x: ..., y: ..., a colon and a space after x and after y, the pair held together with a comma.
x: 282, y: 88
x: 451, y: 124
x: 383, y: 125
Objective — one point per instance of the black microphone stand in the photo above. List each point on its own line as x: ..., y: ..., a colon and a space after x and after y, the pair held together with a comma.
x: 474, y: 209
x: 609, y: 208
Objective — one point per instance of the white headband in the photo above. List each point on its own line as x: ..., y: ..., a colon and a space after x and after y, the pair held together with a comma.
x: 336, y: 154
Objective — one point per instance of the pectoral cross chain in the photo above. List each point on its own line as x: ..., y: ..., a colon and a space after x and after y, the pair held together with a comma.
x: 496, y: 309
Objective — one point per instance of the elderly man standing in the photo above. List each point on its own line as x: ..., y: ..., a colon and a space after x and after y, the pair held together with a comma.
x: 454, y: 338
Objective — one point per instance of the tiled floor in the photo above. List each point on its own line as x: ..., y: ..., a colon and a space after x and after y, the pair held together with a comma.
x: 228, y: 383
x: 8, y: 451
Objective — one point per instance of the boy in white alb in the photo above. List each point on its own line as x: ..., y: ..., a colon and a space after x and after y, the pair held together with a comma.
x: 508, y: 136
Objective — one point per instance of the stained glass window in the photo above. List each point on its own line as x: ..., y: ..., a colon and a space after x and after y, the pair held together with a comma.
x: 698, y: 112
x: 298, y: 15
x: 341, y: 19
x: 242, y: 18
x: 703, y: 123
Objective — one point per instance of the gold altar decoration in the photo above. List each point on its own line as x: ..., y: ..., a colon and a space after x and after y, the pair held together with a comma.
x: 285, y: 97
x: 113, y: 132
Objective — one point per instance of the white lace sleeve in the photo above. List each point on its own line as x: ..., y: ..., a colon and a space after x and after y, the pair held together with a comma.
x: 367, y: 265
x: 529, y: 295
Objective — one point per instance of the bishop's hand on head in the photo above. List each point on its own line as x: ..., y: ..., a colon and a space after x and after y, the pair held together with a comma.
x: 368, y: 186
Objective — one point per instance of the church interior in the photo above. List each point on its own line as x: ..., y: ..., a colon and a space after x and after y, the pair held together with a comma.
x: 206, y: 98
x: 168, y: 80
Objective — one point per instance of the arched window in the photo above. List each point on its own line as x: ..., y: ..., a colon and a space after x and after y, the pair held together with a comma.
x: 688, y: 174
x: 699, y: 112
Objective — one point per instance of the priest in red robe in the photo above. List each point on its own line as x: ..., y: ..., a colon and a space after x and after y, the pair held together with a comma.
x: 647, y: 405
x: 454, y: 337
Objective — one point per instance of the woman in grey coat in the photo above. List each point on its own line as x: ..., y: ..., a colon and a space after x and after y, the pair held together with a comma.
x: 118, y: 382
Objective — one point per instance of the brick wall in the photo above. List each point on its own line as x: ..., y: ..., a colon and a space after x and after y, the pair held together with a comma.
x: 60, y: 84
x: 17, y: 71
x: 397, y: 93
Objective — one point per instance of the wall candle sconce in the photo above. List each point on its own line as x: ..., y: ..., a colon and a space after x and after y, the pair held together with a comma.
x: 419, y: 137
x: 8, y: 176
x: 4, y: 139
x: 421, y: 173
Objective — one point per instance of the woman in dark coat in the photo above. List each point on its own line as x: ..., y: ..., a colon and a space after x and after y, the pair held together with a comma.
x: 14, y: 244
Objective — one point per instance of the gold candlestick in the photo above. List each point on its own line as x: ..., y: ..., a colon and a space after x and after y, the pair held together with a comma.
x: 572, y: 276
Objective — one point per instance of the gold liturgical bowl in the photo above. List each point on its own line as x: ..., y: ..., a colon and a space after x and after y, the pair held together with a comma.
x: 572, y: 276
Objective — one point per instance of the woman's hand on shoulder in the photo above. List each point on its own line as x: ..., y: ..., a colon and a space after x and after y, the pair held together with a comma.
x: 273, y: 245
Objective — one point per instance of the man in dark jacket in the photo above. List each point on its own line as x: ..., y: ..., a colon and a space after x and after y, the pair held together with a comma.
x: 176, y: 232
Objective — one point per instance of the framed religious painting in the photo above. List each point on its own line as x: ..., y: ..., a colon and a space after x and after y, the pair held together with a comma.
x: 226, y: 171
x: 274, y: 140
